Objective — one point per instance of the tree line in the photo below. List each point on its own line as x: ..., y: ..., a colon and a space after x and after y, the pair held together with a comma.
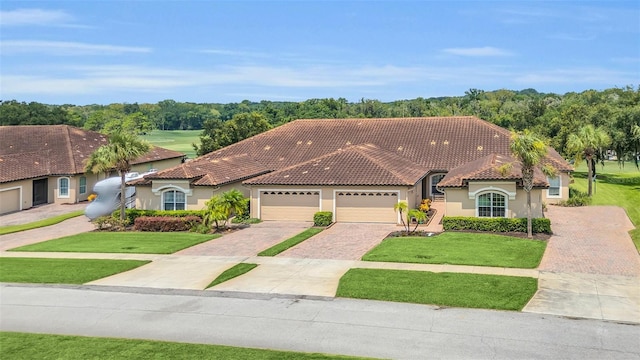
x: 552, y: 116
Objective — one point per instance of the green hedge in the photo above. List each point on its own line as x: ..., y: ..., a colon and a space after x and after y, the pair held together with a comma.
x: 322, y: 218
x: 133, y: 214
x: 538, y: 225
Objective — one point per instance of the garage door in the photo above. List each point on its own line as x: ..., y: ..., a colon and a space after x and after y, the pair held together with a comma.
x: 9, y: 201
x: 289, y: 205
x: 365, y: 206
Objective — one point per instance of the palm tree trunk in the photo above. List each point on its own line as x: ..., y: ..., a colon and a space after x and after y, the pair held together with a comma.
x: 122, y: 195
x: 529, y: 227
x: 589, y: 175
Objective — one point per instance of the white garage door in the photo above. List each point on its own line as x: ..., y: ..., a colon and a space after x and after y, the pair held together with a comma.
x: 9, y: 201
x: 366, y: 206
x: 289, y: 205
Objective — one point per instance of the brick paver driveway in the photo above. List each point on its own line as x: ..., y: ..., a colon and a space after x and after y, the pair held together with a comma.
x: 249, y: 241
x: 342, y: 241
x: 591, y: 240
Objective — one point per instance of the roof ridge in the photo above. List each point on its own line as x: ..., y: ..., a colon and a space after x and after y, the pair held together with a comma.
x: 72, y: 159
x: 379, y: 161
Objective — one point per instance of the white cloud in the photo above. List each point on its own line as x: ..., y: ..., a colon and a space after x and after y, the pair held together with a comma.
x: 477, y: 51
x: 235, y: 53
x: 585, y: 75
x: 64, y: 48
x: 21, y: 17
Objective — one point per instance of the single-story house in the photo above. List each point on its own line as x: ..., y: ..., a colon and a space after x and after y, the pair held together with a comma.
x: 359, y: 168
x: 41, y: 164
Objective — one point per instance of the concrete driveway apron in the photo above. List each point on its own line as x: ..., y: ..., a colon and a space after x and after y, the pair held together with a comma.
x: 591, y: 269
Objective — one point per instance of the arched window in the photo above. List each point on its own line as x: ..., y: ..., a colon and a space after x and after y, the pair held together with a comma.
x: 491, y: 204
x: 63, y: 187
x: 173, y: 200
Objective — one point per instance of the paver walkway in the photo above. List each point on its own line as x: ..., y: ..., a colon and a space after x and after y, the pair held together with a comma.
x: 39, y: 213
x: 249, y: 241
x: 342, y: 241
x: 68, y: 227
x: 591, y: 269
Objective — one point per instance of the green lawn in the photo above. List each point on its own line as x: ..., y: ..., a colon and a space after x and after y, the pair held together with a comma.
x: 232, y: 272
x: 461, y: 249
x: 121, y: 242
x: 61, y: 271
x: 289, y: 243
x: 25, y: 346
x: 445, y: 289
x: 178, y: 140
x: 615, y: 186
x: 40, y: 223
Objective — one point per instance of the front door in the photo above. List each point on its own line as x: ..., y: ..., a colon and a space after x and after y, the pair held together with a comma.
x: 40, y: 191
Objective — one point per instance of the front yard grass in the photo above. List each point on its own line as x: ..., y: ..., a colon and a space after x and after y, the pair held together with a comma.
x: 121, y: 242
x: 615, y: 186
x: 43, y: 346
x: 61, y: 271
x: 445, y: 289
x: 461, y: 249
x: 291, y: 242
x: 232, y: 272
x: 40, y: 223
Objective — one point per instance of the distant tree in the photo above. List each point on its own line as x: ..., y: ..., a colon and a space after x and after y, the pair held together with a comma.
x: 218, y: 134
x: 528, y: 150
x: 584, y: 145
x: 122, y: 149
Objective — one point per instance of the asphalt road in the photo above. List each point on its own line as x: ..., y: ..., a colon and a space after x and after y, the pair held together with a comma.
x: 339, y: 326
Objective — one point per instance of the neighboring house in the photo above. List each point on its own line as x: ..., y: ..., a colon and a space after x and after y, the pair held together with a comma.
x: 42, y: 164
x: 358, y: 169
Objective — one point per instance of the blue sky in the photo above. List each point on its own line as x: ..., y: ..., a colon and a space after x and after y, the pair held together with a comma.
x: 85, y: 52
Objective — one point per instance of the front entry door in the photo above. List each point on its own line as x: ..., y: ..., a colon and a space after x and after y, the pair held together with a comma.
x: 40, y: 191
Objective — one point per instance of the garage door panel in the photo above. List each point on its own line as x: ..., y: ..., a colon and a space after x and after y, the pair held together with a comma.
x: 9, y: 201
x: 366, y: 207
x: 289, y: 205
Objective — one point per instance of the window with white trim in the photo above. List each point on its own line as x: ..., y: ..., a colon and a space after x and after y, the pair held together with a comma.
x: 491, y: 204
x: 82, y: 187
x: 173, y: 200
x: 63, y: 187
x: 554, y: 186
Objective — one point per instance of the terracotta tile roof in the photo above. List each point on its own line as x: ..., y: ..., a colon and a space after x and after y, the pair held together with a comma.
x: 356, y: 165
x: 429, y: 144
x: 31, y: 151
x: 486, y: 168
x: 156, y: 154
x: 211, y: 171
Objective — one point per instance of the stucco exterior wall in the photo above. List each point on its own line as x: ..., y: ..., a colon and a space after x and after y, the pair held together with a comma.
x: 150, y: 197
x: 158, y: 165
x: 462, y: 202
x: 565, y: 180
x: 25, y: 190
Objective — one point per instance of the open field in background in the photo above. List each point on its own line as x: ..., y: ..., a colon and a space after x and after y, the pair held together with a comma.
x: 615, y: 186
x: 178, y: 140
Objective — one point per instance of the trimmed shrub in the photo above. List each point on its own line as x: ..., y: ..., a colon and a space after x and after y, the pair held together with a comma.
x: 538, y: 225
x: 166, y: 223
x: 133, y: 214
x: 576, y: 198
x: 322, y: 218
x: 109, y: 223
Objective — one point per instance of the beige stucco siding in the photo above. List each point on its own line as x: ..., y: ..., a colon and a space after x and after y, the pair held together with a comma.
x: 150, y: 197
x: 462, y: 201
x: 565, y: 179
x: 7, y: 193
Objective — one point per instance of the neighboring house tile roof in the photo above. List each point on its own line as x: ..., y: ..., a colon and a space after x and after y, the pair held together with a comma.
x: 431, y: 144
x: 486, y: 168
x: 31, y: 151
x: 210, y: 170
x: 356, y: 165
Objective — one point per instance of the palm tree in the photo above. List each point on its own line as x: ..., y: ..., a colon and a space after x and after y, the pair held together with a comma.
x: 585, y: 144
x: 401, y: 207
x: 117, y: 155
x: 528, y: 150
x: 220, y: 207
